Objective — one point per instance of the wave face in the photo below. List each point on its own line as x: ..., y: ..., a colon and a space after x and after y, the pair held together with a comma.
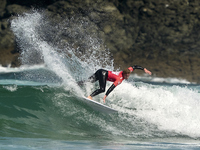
x: 145, y: 112
x: 41, y: 99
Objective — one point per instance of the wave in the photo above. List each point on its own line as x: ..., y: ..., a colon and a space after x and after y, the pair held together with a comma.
x: 29, y: 75
x: 42, y: 70
x: 21, y: 68
x: 152, y: 79
x: 171, y: 108
x: 43, y: 100
x: 147, y: 112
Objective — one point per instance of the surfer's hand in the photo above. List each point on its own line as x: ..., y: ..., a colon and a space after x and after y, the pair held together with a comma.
x: 104, y: 98
x: 147, y: 71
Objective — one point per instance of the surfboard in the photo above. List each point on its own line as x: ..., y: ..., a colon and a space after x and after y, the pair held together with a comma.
x: 98, y: 106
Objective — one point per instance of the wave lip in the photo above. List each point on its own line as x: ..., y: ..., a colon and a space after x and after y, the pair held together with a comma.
x: 153, y: 79
x: 21, y: 68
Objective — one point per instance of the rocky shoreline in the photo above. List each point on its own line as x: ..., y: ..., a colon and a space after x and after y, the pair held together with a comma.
x: 162, y: 36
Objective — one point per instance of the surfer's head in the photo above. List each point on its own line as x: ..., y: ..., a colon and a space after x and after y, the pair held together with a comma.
x: 126, y: 73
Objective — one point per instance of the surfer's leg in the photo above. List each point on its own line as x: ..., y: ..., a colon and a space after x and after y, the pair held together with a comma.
x: 102, y: 77
x: 94, y: 77
x: 102, y: 80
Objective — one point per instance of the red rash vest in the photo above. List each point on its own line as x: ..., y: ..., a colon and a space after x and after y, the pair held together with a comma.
x: 116, y: 77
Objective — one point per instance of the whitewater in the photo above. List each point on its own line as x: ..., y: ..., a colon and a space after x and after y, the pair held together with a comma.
x: 40, y: 101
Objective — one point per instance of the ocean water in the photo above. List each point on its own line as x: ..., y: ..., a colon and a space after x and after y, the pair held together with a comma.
x: 40, y: 105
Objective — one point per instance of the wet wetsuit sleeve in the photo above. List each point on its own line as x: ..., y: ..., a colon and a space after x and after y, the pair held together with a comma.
x: 137, y: 67
x: 110, y: 89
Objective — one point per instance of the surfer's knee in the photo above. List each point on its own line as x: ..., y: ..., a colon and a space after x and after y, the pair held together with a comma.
x: 102, y: 90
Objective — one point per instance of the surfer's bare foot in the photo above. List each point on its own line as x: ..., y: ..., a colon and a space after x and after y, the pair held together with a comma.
x: 89, y: 97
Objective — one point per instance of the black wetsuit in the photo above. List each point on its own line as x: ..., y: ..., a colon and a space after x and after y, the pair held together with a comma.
x: 102, y: 76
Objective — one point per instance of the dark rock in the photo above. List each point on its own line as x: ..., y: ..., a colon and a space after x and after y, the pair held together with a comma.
x: 15, y: 9
x: 2, y: 8
x: 160, y: 35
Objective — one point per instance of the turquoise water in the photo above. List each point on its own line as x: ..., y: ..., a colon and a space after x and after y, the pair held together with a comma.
x: 152, y: 116
x: 40, y: 105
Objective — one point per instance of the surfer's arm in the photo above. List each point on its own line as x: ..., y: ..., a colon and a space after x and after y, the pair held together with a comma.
x: 147, y: 71
x: 108, y: 91
x: 139, y: 67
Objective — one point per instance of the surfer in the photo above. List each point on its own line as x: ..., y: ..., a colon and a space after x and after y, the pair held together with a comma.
x: 116, y: 77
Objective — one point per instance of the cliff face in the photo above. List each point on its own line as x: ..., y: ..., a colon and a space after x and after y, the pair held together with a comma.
x: 162, y: 36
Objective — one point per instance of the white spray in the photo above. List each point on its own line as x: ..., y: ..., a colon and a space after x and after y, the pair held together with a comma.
x: 41, y: 42
x: 29, y: 40
x: 171, y: 108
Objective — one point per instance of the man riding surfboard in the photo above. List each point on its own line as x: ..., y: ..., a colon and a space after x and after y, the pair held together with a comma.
x: 116, y: 77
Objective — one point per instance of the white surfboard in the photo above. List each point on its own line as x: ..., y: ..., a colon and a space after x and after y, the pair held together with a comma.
x: 98, y: 106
